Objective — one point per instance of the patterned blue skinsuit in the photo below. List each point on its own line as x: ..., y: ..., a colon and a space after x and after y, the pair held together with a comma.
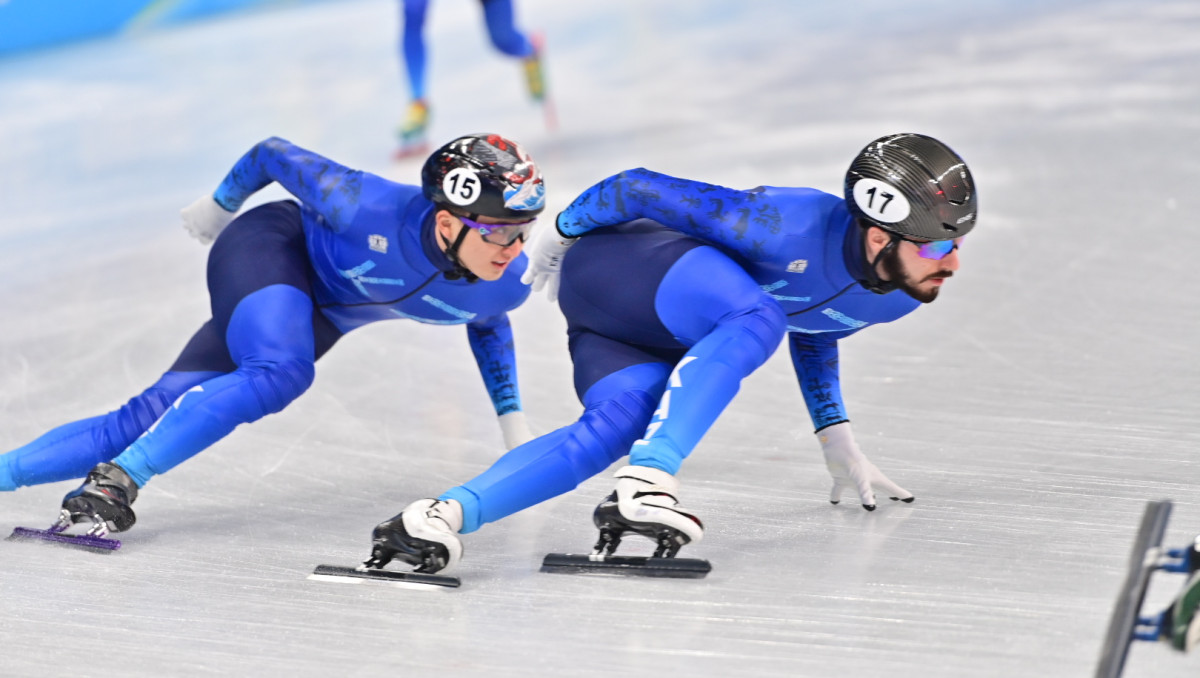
x: 286, y: 281
x: 498, y: 16
x: 675, y: 292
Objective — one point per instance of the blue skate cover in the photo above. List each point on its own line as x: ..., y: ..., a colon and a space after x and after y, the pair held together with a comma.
x: 85, y: 541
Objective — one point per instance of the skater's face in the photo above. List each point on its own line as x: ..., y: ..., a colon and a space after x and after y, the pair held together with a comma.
x: 913, y: 265
x: 487, y: 260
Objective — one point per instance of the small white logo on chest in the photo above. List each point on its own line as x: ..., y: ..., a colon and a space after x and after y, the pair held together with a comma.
x: 377, y: 243
x: 797, y: 266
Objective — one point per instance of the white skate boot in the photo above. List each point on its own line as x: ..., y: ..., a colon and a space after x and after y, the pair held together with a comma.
x: 424, y: 535
x: 645, y: 501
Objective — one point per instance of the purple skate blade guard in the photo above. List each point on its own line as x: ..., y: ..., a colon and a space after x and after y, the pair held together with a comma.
x: 81, y: 540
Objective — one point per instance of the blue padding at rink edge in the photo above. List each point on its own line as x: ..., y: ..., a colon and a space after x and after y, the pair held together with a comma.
x: 33, y: 24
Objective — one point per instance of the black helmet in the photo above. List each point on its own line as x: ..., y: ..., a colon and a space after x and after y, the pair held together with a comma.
x: 914, y: 186
x: 484, y: 175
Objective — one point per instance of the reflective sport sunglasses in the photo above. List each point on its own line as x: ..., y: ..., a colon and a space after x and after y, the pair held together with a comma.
x: 501, y: 234
x: 937, y: 249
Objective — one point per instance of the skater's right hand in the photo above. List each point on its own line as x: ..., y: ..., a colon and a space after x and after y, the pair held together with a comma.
x: 546, y: 251
x: 850, y: 468
x: 205, y: 219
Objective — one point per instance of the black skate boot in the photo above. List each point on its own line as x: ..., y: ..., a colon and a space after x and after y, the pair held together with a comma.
x: 103, y: 500
x: 644, y: 502
x: 423, y: 535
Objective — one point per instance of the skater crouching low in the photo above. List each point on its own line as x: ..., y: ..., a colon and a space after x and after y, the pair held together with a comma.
x: 674, y: 291
x: 286, y: 280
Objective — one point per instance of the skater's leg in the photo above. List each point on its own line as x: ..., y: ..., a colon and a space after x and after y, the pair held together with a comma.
x: 258, y: 279
x: 617, y: 409
x: 270, y: 337
x: 509, y: 40
x: 502, y: 29
x: 70, y: 450
x: 412, y: 45
x: 411, y: 131
x: 709, y: 302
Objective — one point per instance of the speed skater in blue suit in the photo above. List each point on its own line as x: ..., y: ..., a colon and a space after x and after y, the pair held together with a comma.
x: 286, y: 280
x: 674, y: 291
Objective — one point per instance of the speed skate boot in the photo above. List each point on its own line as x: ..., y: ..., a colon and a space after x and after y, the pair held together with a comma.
x: 411, y: 132
x: 103, y: 500
x: 646, y: 502
x: 424, y: 535
x: 535, y: 79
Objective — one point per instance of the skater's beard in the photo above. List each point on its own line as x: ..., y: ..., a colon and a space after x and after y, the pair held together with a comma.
x: 894, y: 268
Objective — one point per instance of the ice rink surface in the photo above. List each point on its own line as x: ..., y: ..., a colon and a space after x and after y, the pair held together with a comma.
x: 1033, y: 409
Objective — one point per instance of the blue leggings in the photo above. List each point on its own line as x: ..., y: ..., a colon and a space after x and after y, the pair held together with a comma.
x: 662, y: 330
x: 501, y: 26
x: 251, y: 359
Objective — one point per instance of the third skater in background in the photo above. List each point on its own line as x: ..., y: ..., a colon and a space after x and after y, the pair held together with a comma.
x: 499, y: 17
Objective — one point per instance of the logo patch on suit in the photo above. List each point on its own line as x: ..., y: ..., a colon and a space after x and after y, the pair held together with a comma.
x: 377, y: 243
x: 797, y: 266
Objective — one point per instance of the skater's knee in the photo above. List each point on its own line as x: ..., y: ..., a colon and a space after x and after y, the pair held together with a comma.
x: 509, y: 42
x: 767, y: 323
x: 276, y: 384
x: 754, y: 334
x: 123, y: 426
x: 606, y: 431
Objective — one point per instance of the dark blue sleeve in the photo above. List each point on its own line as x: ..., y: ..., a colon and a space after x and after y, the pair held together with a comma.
x: 815, y: 357
x: 491, y: 341
x: 746, y: 222
x: 318, y: 182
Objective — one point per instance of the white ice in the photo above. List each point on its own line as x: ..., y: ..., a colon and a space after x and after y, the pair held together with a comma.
x: 1033, y: 409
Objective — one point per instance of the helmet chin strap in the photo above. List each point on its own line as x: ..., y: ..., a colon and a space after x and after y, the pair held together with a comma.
x: 873, y: 282
x: 459, y: 271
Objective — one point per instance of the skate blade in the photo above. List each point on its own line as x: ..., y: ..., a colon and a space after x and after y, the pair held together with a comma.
x: 355, y: 575
x: 642, y: 566
x: 83, y: 541
x: 406, y: 152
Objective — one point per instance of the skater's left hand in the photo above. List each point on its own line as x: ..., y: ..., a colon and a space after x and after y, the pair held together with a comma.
x: 546, y: 251
x: 205, y: 219
x: 851, y: 469
x: 515, y: 429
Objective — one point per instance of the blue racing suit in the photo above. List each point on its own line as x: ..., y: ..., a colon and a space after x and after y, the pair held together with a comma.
x: 286, y: 280
x: 675, y: 291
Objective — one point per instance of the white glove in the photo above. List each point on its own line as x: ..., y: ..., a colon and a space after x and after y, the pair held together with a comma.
x: 515, y: 429
x: 546, y: 251
x: 205, y: 219
x: 850, y: 468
